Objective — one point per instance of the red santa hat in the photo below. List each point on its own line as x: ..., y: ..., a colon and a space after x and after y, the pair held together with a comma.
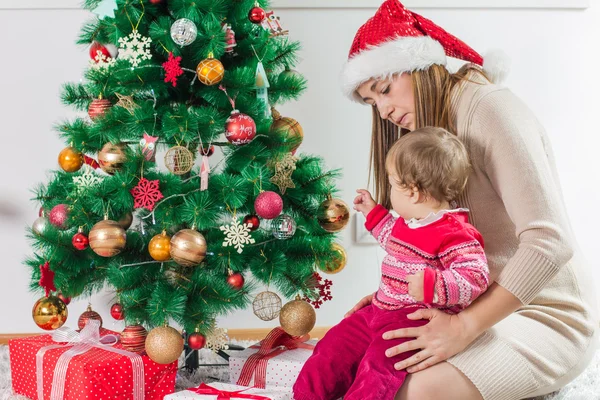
x: 396, y: 40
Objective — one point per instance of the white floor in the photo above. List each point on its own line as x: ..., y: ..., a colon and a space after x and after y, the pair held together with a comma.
x: 585, y: 387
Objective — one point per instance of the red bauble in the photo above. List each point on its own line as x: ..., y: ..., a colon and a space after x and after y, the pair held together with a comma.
x: 253, y: 221
x: 116, y: 311
x: 98, y: 108
x: 240, y: 129
x: 256, y: 15
x: 64, y: 298
x: 88, y: 315
x: 133, y: 338
x: 59, y: 216
x: 157, y: 1
x: 236, y: 280
x: 80, y: 241
x: 41, y: 212
x: 196, y: 341
x: 268, y: 205
x: 108, y: 50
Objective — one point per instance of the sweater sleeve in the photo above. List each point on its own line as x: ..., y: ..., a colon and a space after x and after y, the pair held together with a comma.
x: 518, y: 162
x: 465, y: 274
x: 380, y: 223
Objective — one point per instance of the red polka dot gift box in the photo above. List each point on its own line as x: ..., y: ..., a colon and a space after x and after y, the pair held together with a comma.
x: 86, y: 365
x: 219, y: 390
x: 275, y: 362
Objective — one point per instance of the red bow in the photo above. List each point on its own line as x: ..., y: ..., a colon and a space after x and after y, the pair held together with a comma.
x: 276, y: 342
x: 225, y: 395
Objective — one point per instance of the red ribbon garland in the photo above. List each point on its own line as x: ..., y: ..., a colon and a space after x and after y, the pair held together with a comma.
x: 225, y: 395
x: 276, y: 342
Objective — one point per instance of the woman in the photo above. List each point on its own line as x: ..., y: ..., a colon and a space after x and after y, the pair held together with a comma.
x: 533, y: 331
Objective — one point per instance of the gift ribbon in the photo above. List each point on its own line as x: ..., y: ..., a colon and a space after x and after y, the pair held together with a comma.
x: 225, y: 395
x: 82, y: 342
x: 276, y: 342
x: 204, y: 171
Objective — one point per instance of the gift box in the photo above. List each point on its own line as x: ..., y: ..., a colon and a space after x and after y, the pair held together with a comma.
x: 81, y: 366
x: 275, y: 362
x: 226, y: 391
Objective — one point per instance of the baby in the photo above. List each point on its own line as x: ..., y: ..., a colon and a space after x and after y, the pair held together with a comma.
x: 434, y: 259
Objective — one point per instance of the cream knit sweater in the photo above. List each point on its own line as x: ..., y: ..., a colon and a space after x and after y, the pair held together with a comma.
x: 515, y: 202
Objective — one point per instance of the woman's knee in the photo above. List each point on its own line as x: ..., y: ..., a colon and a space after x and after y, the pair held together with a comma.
x: 442, y: 381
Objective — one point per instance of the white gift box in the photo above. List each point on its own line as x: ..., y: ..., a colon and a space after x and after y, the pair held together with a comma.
x: 271, y: 394
x: 282, y: 370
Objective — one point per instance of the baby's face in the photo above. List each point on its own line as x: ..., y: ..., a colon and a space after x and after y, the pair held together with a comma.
x: 402, y: 198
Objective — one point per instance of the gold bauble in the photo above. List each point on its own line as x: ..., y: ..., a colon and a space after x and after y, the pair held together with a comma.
x: 164, y: 344
x: 112, y: 157
x: 49, y: 313
x: 335, y: 262
x: 333, y: 215
x: 107, y: 238
x: 188, y: 247
x: 297, y: 318
x: 289, y: 127
x: 267, y: 306
x: 70, y: 160
x: 210, y: 71
x: 160, y: 247
x: 126, y: 220
x: 179, y: 160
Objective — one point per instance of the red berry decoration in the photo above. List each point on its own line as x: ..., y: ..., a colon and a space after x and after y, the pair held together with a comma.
x: 253, y: 221
x: 268, y: 205
x: 196, y: 341
x: 80, y: 241
x: 58, y: 216
x: 116, y: 311
x: 256, y: 15
x: 64, y: 298
x: 236, y: 280
x: 240, y: 129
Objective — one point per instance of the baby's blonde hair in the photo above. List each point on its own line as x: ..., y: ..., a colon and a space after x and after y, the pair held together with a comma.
x: 432, y: 160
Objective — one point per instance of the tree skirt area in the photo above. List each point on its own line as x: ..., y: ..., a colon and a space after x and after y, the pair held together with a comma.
x: 585, y: 387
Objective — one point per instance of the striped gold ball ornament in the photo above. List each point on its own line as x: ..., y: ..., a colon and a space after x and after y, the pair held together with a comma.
x: 133, y: 338
x: 107, y: 238
x: 188, y: 247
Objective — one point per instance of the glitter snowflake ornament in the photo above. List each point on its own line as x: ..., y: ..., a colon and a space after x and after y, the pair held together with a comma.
x: 87, y: 180
x: 217, y: 340
x: 146, y: 194
x: 135, y: 48
x: 237, y: 235
x: 173, y: 69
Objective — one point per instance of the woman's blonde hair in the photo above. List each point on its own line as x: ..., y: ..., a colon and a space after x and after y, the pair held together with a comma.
x: 432, y: 91
x: 431, y: 160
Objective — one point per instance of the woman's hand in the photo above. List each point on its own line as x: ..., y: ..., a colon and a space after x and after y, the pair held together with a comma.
x: 365, y: 301
x: 444, y: 336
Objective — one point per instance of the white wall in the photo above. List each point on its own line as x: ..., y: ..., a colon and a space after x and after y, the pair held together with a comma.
x: 554, y: 70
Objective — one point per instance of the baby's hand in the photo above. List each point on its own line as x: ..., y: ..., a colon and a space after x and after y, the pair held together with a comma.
x: 415, y: 286
x: 364, y: 202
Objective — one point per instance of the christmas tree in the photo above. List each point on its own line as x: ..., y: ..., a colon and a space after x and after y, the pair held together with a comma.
x: 184, y: 78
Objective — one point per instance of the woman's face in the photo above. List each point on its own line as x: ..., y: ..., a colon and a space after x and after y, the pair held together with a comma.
x: 393, y: 97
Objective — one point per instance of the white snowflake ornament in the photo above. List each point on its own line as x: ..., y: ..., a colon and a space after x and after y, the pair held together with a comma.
x: 101, y: 61
x: 237, y: 235
x: 135, y: 48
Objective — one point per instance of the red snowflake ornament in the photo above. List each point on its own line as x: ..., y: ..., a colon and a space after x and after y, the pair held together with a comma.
x: 172, y: 69
x: 324, y: 287
x: 47, y: 278
x: 146, y: 194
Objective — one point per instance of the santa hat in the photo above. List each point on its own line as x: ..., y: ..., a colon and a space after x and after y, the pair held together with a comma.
x: 396, y: 40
